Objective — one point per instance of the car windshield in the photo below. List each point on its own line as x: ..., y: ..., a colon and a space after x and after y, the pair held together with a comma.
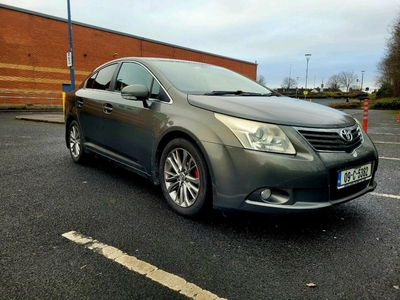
x: 203, y: 79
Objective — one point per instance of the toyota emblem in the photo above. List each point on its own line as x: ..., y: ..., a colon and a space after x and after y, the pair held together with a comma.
x: 346, y: 135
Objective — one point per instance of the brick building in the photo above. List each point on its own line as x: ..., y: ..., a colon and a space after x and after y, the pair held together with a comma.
x: 33, y: 49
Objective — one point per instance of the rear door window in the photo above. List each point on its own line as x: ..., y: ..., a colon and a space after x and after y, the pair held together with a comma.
x: 102, y: 79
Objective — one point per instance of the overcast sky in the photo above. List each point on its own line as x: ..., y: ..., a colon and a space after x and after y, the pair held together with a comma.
x: 341, y: 35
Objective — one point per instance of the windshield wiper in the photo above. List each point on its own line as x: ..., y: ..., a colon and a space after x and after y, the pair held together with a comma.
x: 220, y: 93
x: 237, y: 93
x: 270, y: 94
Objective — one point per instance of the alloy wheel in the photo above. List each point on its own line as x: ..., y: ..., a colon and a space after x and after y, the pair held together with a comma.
x: 75, y: 142
x: 181, y: 176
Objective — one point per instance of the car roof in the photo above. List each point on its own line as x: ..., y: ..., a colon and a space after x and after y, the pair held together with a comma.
x: 149, y: 59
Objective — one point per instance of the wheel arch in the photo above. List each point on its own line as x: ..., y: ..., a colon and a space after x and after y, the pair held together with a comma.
x: 174, y: 135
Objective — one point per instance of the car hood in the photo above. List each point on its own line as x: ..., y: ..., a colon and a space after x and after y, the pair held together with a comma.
x: 277, y: 110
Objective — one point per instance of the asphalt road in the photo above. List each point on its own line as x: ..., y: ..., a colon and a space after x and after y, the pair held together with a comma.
x: 351, y: 251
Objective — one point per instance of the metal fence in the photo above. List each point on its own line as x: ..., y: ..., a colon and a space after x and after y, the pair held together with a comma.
x: 29, y: 99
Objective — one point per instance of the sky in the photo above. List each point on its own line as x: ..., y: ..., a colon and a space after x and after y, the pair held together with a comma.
x: 340, y: 35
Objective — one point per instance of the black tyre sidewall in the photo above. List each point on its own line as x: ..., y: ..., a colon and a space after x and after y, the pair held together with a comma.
x: 201, y: 201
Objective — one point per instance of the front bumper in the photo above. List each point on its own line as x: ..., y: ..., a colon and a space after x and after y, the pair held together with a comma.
x: 305, y: 181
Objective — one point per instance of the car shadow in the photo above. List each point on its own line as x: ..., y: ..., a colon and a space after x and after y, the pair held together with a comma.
x: 334, y: 222
x: 337, y: 219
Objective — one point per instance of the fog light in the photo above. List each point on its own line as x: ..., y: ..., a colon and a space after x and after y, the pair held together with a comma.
x: 265, y: 194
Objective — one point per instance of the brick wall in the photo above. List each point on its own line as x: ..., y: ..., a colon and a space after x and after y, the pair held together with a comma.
x: 33, y: 51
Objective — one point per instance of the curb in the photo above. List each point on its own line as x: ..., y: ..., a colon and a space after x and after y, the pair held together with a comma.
x: 46, y: 118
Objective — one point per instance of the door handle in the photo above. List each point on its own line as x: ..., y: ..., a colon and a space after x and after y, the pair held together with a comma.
x: 107, y: 108
x: 79, y: 102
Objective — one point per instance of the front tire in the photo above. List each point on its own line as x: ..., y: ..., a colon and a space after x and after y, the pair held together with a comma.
x: 75, y: 143
x: 184, y: 177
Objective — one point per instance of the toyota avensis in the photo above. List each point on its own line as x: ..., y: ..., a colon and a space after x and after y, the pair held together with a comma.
x: 208, y: 135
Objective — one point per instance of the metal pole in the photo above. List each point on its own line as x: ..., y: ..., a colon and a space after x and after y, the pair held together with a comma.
x: 308, y: 55
x: 71, y: 68
x: 308, y: 58
x: 290, y: 74
x: 362, y: 80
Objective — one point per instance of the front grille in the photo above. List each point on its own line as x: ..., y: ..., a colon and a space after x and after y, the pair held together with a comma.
x: 329, y: 139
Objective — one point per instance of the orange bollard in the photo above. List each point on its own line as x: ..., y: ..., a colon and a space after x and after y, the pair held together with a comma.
x: 365, y: 118
x: 398, y: 117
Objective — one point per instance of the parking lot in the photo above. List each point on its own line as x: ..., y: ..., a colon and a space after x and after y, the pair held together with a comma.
x: 98, y: 232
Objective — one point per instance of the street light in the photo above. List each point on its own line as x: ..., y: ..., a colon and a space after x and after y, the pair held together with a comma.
x: 70, y: 54
x: 308, y: 55
x: 297, y: 85
x: 362, y: 79
x: 290, y: 73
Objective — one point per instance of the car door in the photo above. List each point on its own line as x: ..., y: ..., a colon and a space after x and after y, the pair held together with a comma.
x: 128, y: 124
x: 90, y: 106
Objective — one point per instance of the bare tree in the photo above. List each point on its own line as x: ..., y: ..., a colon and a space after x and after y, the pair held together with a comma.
x: 389, y: 66
x: 347, y: 79
x: 288, y: 83
x: 261, y: 80
x: 334, y: 83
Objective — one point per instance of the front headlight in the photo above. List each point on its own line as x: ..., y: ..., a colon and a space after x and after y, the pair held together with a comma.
x: 258, y: 136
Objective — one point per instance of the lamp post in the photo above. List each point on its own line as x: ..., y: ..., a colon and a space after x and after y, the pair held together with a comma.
x: 362, y: 80
x: 297, y: 85
x: 308, y: 55
x: 70, y: 54
x: 290, y: 73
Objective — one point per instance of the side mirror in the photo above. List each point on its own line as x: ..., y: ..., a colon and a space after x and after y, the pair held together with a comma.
x: 135, y: 92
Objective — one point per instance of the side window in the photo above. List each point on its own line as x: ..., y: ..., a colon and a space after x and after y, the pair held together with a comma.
x: 90, y: 81
x: 102, y: 80
x: 131, y: 73
x: 155, y: 90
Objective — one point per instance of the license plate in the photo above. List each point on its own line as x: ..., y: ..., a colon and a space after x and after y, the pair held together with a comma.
x: 354, y: 175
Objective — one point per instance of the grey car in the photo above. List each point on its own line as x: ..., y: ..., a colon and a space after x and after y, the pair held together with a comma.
x: 210, y: 136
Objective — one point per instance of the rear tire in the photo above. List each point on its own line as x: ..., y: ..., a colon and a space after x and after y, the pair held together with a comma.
x: 184, y: 177
x: 75, y: 143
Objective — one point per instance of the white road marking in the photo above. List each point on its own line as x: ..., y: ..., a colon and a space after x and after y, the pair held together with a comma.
x: 391, y: 143
x: 378, y: 133
x: 169, y: 280
x: 389, y: 158
x: 386, y: 195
